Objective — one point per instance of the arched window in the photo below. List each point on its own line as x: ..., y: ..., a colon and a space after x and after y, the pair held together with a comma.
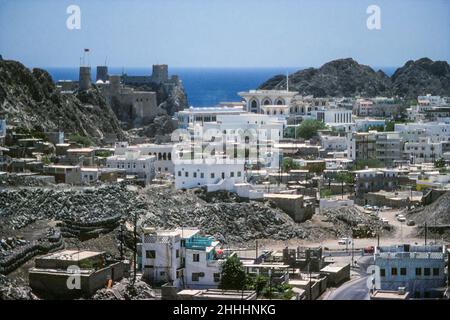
x: 266, y: 102
x: 159, y: 156
x: 254, y: 105
x: 164, y: 156
x: 169, y: 156
x: 279, y: 102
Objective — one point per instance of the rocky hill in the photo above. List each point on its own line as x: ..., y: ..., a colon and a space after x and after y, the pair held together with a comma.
x: 29, y: 99
x: 421, y: 77
x: 346, y: 77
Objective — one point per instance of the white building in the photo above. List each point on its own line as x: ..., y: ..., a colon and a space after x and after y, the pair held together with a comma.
x: 333, y: 116
x: 435, y: 131
x: 333, y: 143
x: 203, y: 115
x: 192, y: 174
x: 423, y: 150
x: 255, y: 99
x: 134, y: 163
x: 162, y: 153
x: 181, y: 257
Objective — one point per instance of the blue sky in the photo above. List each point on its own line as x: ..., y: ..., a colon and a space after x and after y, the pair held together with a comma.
x: 223, y: 33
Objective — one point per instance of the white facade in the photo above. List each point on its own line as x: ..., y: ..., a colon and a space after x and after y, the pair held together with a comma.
x: 193, y: 115
x: 134, y: 164
x: 162, y: 153
x: 181, y: 257
x: 255, y: 99
x: 333, y: 116
x: 189, y: 174
x: 434, y: 131
x: 89, y: 175
x: 333, y: 143
x: 423, y: 151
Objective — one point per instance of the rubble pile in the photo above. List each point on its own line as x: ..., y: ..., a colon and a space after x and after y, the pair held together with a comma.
x: 11, y: 290
x: 228, y: 221
x: 125, y: 290
x: 20, y: 207
x: 14, y: 252
x: 352, y: 221
x: 435, y: 213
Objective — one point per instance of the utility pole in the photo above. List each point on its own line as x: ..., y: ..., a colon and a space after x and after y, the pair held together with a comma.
x: 426, y: 231
x: 353, y: 249
x: 121, y: 240
x: 135, y: 247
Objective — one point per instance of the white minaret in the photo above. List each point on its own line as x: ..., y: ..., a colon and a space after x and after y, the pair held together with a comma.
x: 287, y: 81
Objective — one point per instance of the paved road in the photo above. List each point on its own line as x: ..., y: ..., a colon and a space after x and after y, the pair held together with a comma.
x: 355, y: 289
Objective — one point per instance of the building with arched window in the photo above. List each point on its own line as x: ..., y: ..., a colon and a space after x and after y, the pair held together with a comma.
x: 256, y: 99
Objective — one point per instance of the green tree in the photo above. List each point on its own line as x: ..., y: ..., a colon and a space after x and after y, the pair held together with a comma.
x: 233, y: 274
x: 344, y: 177
x: 390, y: 125
x: 439, y: 163
x: 289, y: 164
x: 309, y: 127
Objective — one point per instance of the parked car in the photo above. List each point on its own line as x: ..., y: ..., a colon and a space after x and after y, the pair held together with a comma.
x: 370, y: 249
x: 410, y: 223
x: 344, y: 241
x: 385, y: 221
x: 401, y: 218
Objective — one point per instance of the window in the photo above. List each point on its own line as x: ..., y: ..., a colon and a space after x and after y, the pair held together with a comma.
x: 382, y: 272
x: 223, y: 175
x: 195, y: 276
x: 202, y: 175
x: 179, y: 173
x: 195, y: 174
x: 426, y: 271
x: 435, y: 271
x: 150, y: 254
x: 177, y: 253
x: 239, y: 174
x: 196, y: 257
x: 418, y: 271
x: 394, y: 271
x: 216, y: 277
x: 403, y: 271
x: 162, y: 274
x: 212, y: 175
x: 186, y: 174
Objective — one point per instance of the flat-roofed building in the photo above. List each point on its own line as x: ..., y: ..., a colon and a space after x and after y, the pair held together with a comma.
x: 419, y: 269
x: 64, y: 174
x: 86, y: 271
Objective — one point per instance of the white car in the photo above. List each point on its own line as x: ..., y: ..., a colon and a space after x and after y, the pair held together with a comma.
x: 385, y: 221
x: 344, y: 241
x: 401, y: 218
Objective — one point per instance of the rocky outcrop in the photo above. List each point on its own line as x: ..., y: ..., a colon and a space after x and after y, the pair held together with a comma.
x: 346, y: 77
x: 421, y: 77
x: 29, y: 99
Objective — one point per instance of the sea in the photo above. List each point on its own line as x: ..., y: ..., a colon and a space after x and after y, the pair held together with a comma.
x: 204, y: 86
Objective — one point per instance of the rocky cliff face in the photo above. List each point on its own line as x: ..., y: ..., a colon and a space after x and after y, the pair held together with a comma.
x: 421, y: 77
x: 346, y: 77
x: 29, y: 99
